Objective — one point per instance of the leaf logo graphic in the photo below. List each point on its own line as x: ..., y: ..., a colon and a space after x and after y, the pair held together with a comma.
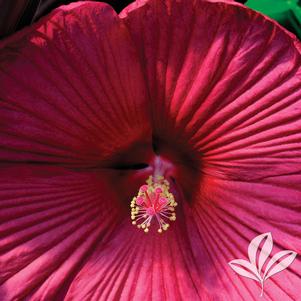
x: 253, y: 268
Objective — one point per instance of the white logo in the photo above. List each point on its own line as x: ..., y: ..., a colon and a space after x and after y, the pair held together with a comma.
x: 253, y: 269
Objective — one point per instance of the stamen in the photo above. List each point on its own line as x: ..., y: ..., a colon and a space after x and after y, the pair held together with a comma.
x: 153, y: 202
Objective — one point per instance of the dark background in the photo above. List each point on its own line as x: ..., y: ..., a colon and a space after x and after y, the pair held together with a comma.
x: 16, y: 14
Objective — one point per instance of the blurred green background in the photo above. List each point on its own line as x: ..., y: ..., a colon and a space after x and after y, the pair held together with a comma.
x: 285, y: 12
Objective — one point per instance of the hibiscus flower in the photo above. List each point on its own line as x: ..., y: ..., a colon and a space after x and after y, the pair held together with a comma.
x: 206, y: 94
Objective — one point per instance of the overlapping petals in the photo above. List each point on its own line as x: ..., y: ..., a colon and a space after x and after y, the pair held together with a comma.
x: 89, y: 99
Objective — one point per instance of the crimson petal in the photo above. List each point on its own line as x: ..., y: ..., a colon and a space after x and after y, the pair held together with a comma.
x: 228, y: 82
x: 229, y: 92
x: 51, y: 219
x: 72, y: 90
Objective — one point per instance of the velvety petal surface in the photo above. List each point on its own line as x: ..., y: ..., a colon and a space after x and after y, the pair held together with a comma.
x: 51, y: 220
x: 72, y: 90
x: 209, y: 89
x: 72, y: 93
x: 226, y: 82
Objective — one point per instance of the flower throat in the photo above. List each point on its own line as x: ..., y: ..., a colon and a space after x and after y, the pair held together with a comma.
x: 154, y: 203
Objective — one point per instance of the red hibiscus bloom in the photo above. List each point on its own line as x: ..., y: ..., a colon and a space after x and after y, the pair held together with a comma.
x: 205, y: 93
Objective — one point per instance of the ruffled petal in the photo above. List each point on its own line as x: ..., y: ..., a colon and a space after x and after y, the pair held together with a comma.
x: 51, y: 219
x: 229, y: 91
x: 214, y: 68
x: 71, y: 89
x: 226, y: 82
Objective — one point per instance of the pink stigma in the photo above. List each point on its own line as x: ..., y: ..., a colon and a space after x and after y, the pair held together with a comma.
x: 163, y: 201
x: 150, y: 211
x: 153, y: 202
x: 143, y: 188
x: 139, y: 201
x: 158, y: 190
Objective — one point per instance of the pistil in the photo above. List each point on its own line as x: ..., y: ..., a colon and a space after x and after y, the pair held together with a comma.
x: 154, y: 203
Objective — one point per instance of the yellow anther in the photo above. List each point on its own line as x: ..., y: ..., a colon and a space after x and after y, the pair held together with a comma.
x: 153, y: 202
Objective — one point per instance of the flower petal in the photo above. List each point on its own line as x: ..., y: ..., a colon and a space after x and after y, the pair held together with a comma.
x: 229, y: 214
x: 232, y: 91
x: 71, y: 88
x: 233, y: 82
x: 50, y: 221
x: 135, y: 266
x: 242, y: 119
